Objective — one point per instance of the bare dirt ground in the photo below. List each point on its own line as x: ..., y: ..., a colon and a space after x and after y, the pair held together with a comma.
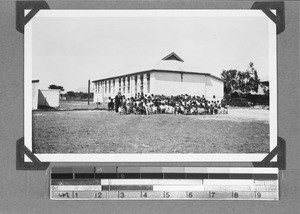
x: 243, y: 130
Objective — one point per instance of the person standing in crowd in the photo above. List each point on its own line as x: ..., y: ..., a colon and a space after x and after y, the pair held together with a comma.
x: 214, y: 99
x: 118, y: 101
x: 111, y: 104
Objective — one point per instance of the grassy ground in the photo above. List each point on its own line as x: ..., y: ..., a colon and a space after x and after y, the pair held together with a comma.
x: 241, y: 131
x: 79, y: 105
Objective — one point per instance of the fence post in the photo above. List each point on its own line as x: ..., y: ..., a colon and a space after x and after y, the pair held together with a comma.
x: 89, y: 92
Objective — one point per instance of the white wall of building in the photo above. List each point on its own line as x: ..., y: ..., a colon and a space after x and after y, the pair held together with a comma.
x: 98, y: 96
x: 193, y: 84
x: 166, y: 83
x: 214, y: 87
x: 49, y: 98
x: 127, y: 87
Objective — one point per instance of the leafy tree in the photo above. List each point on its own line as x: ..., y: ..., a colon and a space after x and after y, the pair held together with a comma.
x: 78, y: 95
x: 244, y: 81
x: 254, y: 81
x: 56, y: 87
x: 231, y: 83
x: 71, y: 94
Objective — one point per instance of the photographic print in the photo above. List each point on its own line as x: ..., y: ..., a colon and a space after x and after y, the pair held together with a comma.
x: 150, y: 85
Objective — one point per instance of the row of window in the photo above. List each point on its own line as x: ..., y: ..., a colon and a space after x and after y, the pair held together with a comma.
x: 109, y: 85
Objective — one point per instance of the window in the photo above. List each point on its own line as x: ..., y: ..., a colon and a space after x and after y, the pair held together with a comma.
x: 114, y: 85
x: 148, y: 82
x: 119, y: 84
x: 142, y: 82
x: 105, y: 86
x: 135, y: 84
x: 128, y: 85
x: 109, y: 86
x: 124, y: 85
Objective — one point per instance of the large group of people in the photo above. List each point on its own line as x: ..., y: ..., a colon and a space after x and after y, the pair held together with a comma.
x: 161, y: 104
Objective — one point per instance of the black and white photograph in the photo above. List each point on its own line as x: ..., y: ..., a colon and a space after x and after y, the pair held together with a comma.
x: 150, y: 85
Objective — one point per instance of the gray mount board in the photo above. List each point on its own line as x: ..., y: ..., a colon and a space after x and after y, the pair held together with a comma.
x: 27, y: 191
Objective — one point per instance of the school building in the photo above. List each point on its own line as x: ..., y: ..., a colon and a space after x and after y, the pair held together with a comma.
x: 168, y: 77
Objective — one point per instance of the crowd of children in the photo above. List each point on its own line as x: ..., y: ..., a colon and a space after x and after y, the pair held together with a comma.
x: 160, y: 104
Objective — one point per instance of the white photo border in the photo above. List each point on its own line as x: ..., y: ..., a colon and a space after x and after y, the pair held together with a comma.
x: 154, y: 158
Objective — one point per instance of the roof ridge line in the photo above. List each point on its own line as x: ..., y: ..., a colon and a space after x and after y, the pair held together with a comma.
x: 172, y: 56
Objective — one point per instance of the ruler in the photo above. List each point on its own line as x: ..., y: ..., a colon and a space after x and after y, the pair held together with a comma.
x: 163, y: 183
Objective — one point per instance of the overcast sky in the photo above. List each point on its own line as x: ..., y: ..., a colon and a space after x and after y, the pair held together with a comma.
x: 69, y: 51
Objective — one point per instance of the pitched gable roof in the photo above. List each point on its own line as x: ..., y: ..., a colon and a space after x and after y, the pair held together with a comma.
x: 173, y: 56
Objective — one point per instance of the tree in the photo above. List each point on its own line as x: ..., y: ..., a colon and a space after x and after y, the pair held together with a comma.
x: 243, y: 81
x: 71, y: 94
x: 230, y: 78
x: 254, y: 81
x: 56, y: 87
